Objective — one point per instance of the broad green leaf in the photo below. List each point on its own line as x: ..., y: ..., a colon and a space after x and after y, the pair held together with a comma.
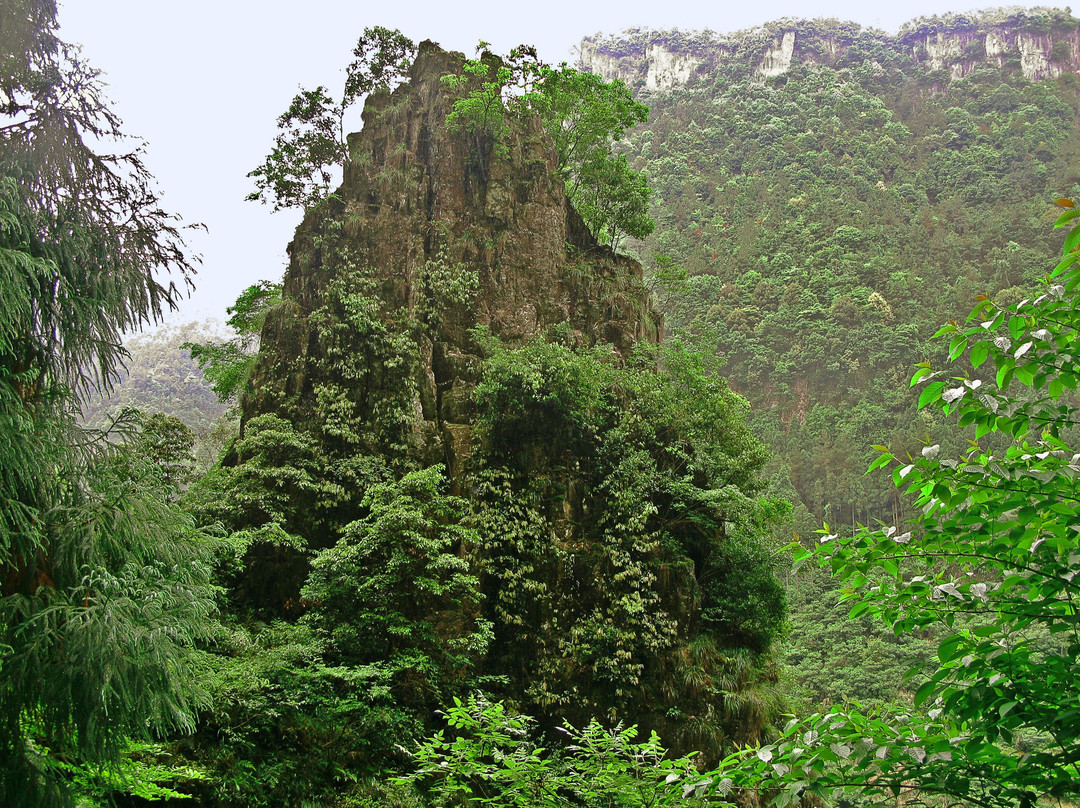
x: 979, y: 353
x: 957, y: 346
x: 1072, y: 240
x: 1066, y: 217
x: 949, y: 647
x: 931, y: 393
x: 925, y: 692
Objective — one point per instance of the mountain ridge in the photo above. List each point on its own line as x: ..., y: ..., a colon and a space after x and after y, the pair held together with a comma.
x: 1038, y: 44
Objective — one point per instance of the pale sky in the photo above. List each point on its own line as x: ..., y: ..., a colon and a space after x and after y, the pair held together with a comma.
x: 203, y: 82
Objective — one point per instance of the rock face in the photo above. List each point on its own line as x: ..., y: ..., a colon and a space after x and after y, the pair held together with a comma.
x: 667, y: 68
x: 777, y: 60
x: 1036, y: 46
x: 449, y: 239
x: 611, y: 513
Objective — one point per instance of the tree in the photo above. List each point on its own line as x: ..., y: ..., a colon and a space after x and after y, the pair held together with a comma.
x: 584, y: 116
x: 310, y: 148
x: 991, y: 561
x: 635, y: 488
x: 88, y: 222
x: 394, y: 593
x: 228, y: 363
x: 103, y: 583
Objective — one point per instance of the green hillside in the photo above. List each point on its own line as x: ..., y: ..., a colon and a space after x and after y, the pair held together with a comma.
x: 475, y: 509
x: 830, y: 218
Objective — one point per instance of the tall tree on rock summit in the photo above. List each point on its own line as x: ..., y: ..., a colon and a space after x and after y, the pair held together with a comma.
x: 582, y: 113
x: 102, y: 586
x: 310, y: 147
x: 584, y: 116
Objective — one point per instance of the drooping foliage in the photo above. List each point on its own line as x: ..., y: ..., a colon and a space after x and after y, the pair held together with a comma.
x: 103, y: 583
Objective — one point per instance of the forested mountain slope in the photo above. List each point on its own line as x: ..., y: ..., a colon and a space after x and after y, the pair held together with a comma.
x: 834, y: 194
x: 826, y: 197
x: 159, y: 375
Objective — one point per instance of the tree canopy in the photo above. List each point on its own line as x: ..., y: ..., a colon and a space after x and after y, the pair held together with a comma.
x: 990, y: 561
x: 583, y: 114
x: 310, y: 148
x: 104, y: 584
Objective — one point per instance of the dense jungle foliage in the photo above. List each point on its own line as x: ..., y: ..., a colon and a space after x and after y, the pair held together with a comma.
x: 319, y: 616
x: 815, y: 228
x: 829, y: 219
x: 105, y: 585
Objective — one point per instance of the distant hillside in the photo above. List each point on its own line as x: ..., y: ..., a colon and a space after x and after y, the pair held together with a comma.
x: 159, y: 376
x: 834, y: 194
x: 1036, y: 44
x: 826, y: 197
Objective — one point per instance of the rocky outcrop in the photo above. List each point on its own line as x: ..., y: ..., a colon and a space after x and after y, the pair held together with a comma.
x: 777, y: 59
x: 451, y: 231
x: 627, y: 67
x: 613, y: 506
x: 1038, y: 56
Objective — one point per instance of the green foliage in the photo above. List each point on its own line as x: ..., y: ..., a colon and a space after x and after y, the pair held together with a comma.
x: 446, y: 287
x: 827, y: 222
x: 613, y: 199
x: 104, y: 584
x: 395, y: 593
x: 98, y: 636
x: 166, y: 443
x: 584, y: 116
x: 228, y: 364
x: 144, y: 773
x: 833, y: 659
x: 390, y: 628
x: 636, y: 487
x: 390, y: 597
x: 989, y: 562
x: 494, y: 757
x: 481, y: 111
x: 311, y: 146
x: 288, y: 727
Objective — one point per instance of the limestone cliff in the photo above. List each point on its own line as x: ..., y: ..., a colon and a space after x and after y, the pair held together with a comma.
x: 613, y: 501
x: 1036, y: 44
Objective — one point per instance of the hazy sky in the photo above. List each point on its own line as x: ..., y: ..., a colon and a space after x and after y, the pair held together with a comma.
x: 203, y: 81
